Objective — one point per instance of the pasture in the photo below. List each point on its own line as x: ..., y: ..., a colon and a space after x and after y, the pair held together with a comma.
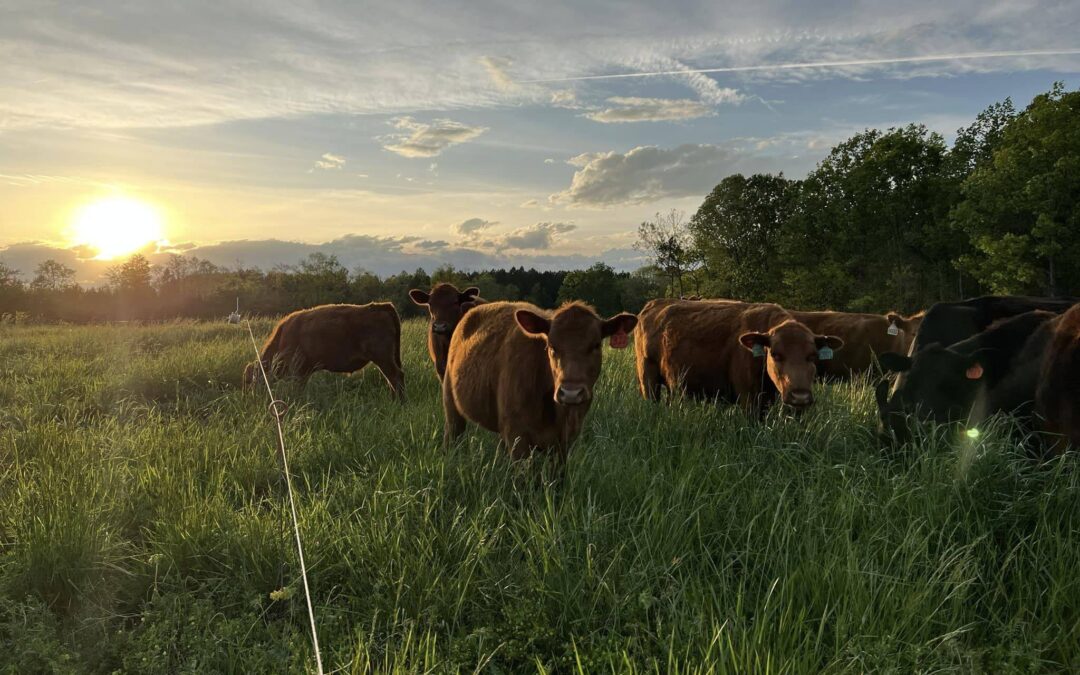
x: 144, y: 528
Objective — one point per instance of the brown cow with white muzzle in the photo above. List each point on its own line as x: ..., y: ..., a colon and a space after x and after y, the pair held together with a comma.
x: 446, y: 305
x: 527, y: 374
x: 747, y: 353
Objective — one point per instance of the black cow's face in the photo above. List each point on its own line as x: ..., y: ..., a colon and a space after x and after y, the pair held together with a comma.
x: 940, y: 385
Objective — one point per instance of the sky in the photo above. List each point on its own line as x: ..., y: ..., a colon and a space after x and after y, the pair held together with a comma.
x: 408, y: 134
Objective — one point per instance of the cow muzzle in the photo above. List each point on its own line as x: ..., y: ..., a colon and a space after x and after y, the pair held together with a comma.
x: 440, y: 328
x: 572, y: 395
x: 800, y: 399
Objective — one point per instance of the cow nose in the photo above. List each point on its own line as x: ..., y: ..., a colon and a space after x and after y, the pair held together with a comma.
x: 799, y: 398
x: 570, y: 395
x: 440, y: 327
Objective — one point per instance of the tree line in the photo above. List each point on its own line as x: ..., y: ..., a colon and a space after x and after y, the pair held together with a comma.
x: 187, y: 287
x: 893, y: 219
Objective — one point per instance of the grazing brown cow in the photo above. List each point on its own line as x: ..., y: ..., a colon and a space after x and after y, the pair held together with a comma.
x: 446, y: 305
x: 1057, y: 398
x: 741, y: 352
x: 525, y: 373
x: 864, y: 336
x: 337, y: 338
x: 647, y: 344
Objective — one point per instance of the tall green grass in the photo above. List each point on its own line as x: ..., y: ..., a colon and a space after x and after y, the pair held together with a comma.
x: 143, y: 526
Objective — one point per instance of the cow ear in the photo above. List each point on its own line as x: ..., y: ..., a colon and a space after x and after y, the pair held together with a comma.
x: 419, y: 297
x: 532, y: 323
x: 831, y: 341
x: 978, y: 363
x: 468, y: 294
x: 891, y: 362
x: 620, y: 323
x: 755, y: 341
x: 467, y: 305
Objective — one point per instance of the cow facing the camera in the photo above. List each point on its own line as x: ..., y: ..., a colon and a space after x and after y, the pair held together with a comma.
x: 446, y: 305
x: 527, y: 374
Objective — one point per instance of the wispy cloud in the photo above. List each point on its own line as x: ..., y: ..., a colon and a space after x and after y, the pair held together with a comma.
x: 498, y: 68
x: 428, y: 139
x: 330, y: 162
x: 928, y: 58
x: 635, y: 109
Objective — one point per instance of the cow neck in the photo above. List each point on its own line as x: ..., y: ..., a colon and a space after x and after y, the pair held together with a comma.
x: 569, y: 420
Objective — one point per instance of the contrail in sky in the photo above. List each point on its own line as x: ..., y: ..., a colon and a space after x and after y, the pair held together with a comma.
x: 821, y: 64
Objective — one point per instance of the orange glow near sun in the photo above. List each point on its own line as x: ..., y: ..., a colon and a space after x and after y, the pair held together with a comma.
x: 117, y: 226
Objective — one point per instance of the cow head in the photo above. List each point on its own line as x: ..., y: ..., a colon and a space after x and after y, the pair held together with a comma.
x: 446, y: 305
x: 939, y: 385
x: 792, y: 352
x: 573, y: 335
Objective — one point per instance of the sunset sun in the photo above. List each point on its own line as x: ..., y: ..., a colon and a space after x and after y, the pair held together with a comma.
x: 116, y: 226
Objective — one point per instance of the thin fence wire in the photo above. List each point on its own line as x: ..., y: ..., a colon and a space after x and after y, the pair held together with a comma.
x: 277, y: 410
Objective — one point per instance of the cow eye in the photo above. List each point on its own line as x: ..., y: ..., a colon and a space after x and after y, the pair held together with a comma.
x: 596, y: 347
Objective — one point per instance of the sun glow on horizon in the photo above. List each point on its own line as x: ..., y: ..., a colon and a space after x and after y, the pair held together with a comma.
x: 116, y: 226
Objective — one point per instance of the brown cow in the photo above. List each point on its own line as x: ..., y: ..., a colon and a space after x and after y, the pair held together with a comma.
x: 337, y: 338
x: 525, y: 373
x: 446, y: 305
x: 647, y: 345
x: 1057, y: 397
x: 741, y: 352
x: 864, y: 335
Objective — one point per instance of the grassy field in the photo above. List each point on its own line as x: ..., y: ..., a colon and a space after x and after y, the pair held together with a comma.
x: 144, y: 529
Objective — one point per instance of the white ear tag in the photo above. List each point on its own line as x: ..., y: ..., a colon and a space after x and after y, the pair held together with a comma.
x: 893, y: 330
x: 758, y: 350
x: 825, y: 353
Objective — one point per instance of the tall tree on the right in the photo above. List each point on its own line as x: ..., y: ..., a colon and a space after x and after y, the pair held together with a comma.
x: 1021, y: 209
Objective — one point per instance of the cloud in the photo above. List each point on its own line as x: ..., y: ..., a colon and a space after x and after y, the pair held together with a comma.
x: 428, y: 140
x: 498, y: 68
x: 471, y: 226
x: 644, y: 174
x: 535, y: 237
x: 634, y: 109
x: 107, y: 67
x: 330, y: 161
x: 529, y: 204
x: 565, y: 98
x: 381, y: 255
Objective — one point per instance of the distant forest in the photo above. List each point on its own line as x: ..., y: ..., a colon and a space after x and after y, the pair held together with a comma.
x: 892, y: 219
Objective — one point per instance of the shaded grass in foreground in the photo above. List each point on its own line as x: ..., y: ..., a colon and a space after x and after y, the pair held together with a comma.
x: 144, y: 529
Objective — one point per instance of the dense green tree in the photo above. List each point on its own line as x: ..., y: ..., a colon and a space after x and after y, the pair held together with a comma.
x: 868, y: 230
x: 597, y: 286
x: 736, y: 233
x: 1019, y: 209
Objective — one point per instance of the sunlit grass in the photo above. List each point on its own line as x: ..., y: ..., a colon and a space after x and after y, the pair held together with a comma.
x: 144, y: 529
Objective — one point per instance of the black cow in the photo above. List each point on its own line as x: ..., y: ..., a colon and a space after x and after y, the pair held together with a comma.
x: 947, y: 323
x: 995, y: 370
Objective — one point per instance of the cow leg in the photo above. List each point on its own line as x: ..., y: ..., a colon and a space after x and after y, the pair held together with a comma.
x: 650, y: 380
x: 454, y: 424
x: 395, y: 376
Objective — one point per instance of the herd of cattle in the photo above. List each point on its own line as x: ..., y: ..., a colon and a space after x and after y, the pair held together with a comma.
x: 528, y: 374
